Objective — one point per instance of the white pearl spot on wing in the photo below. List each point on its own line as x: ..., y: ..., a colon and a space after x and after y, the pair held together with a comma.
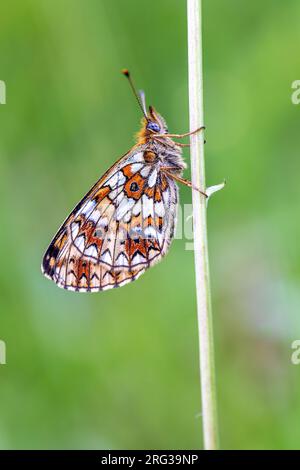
x: 138, y: 258
x: 152, y: 178
x: 88, y: 208
x: 136, y: 167
x: 125, y: 206
x: 116, y: 180
x: 147, y: 204
x: 127, y: 217
x: 122, y: 260
x: 75, y: 229
x: 159, y: 208
x: 150, y: 232
x: 91, y: 251
x: 145, y: 171
x: 137, y: 208
x: 135, y: 158
x: 94, y: 216
x: 106, y: 257
x: 79, y: 242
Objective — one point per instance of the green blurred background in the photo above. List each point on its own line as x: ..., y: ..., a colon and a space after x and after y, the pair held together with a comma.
x: 119, y: 369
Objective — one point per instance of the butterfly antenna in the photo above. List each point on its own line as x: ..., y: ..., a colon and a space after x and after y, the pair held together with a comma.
x: 138, y: 98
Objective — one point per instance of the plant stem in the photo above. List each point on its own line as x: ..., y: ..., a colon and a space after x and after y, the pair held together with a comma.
x: 204, y: 313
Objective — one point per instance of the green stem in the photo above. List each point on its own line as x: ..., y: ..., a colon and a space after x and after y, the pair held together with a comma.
x: 204, y: 312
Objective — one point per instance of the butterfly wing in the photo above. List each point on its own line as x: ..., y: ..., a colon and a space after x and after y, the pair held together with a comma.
x: 121, y: 227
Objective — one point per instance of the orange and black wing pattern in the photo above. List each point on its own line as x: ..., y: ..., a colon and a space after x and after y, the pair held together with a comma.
x: 121, y: 227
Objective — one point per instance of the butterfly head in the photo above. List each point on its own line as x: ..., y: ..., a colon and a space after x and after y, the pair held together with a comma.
x: 155, y: 123
x: 153, y: 126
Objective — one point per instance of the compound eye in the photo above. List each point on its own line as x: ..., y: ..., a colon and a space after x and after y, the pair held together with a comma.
x: 153, y: 126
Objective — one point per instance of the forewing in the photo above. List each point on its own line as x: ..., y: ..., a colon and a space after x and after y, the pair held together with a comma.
x: 120, y: 228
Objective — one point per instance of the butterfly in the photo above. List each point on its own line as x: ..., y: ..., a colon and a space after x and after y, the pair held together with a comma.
x: 126, y: 222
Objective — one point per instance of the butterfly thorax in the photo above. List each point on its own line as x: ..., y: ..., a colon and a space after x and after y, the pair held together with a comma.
x: 164, y: 156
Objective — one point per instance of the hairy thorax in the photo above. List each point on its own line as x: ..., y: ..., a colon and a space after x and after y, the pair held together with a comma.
x: 164, y: 156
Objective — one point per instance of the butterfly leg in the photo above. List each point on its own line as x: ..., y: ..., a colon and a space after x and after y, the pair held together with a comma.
x: 179, y: 144
x: 180, y: 136
x: 182, y: 180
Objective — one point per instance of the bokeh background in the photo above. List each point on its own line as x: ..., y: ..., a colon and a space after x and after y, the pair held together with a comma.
x: 119, y: 369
